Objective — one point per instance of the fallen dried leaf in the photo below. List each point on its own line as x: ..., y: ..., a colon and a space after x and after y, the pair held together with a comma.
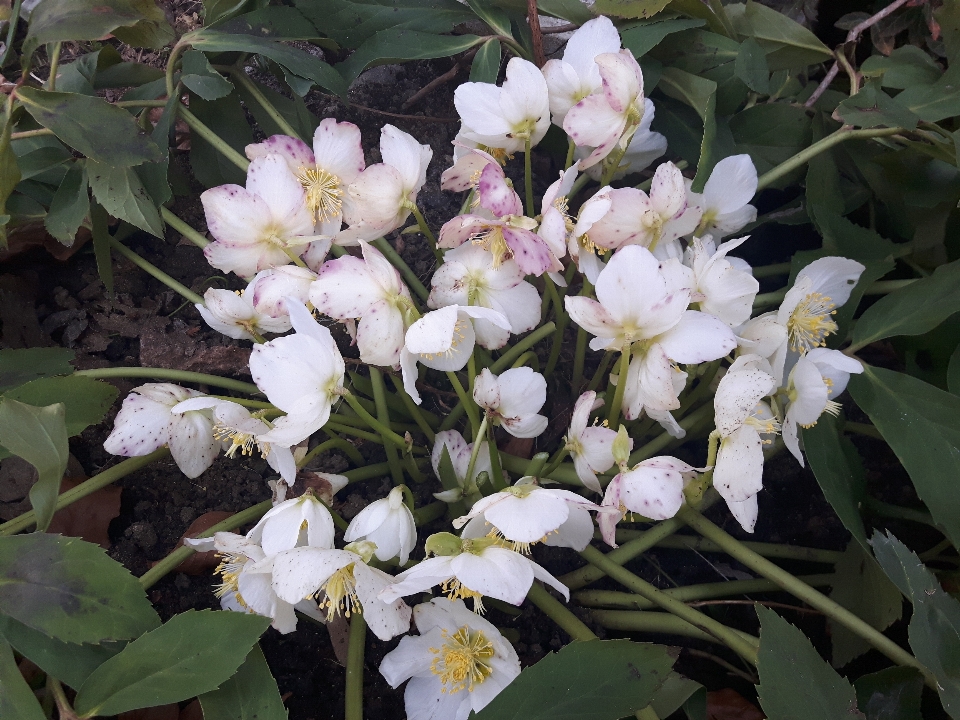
x: 160, y: 712
x: 728, y: 704
x: 89, y: 517
x: 201, y: 562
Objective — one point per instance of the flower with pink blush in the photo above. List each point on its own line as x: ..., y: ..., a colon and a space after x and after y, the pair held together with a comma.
x: 590, y: 446
x: 233, y: 314
x: 259, y: 226
x: 584, y: 252
x: 269, y: 289
x: 468, y: 163
x: 645, y: 147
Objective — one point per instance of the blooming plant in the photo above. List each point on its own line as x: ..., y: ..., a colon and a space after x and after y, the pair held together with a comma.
x: 589, y: 351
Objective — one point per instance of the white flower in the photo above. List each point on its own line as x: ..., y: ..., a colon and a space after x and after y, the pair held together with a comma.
x: 577, y: 74
x: 583, y: 250
x: 255, y: 227
x: 468, y: 277
x: 443, y: 340
x: 653, y: 488
x: 726, y: 197
x: 301, y: 374
x: 459, y: 452
x: 380, y: 198
x: 268, y: 290
x: 810, y: 387
x: 234, y: 315
x: 347, y: 584
x: 590, y: 446
x: 146, y: 422
x: 645, y: 147
x: 459, y: 662
x: 472, y: 568
x: 513, y: 400
x: 300, y: 521
x: 526, y: 513
x: 467, y: 167
x: 762, y: 336
x: 506, y: 117
x: 719, y: 286
x: 389, y: 524
x: 745, y: 426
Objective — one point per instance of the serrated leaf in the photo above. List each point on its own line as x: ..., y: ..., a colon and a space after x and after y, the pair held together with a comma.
x: 872, y: 107
x: 486, y: 63
x: 751, y: 66
x: 393, y: 45
x: 87, y: 400
x: 69, y: 662
x: 70, y: 590
x: 201, y: 78
x: 789, y: 45
x: 70, y: 205
x: 192, y: 653
x: 121, y: 193
x: 891, y: 694
x: 632, y: 9
x: 921, y: 423
x: 934, y: 630
x: 39, y: 436
x: 17, y: 700
x: 595, y: 680
x: 21, y: 366
x: 795, y: 682
x: 643, y: 37
x: 251, y: 694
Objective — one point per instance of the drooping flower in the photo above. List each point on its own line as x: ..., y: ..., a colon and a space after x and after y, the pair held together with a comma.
x: 645, y: 147
x: 719, y: 287
x: 583, y: 251
x: 590, y: 446
x: 459, y: 452
x: 389, y: 524
x: 506, y: 117
x: 468, y: 165
x: 300, y: 521
x: 513, y: 400
x: 301, y: 374
x: 234, y: 315
x: 146, y: 422
x: 269, y: 289
x: 261, y: 225
x: 457, y: 664
x: 725, y: 201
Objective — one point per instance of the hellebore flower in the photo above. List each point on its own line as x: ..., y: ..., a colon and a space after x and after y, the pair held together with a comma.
x: 513, y: 400
x: 645, y: 147
x: 459, y: 452
x: 300, y: 521
x: 590, y: 446
x: 269, y: 289
x: 726, y: 197
x: 719, y: 286
x: 388, y: 523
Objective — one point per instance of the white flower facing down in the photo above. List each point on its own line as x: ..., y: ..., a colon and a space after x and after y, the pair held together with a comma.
x: 459, y: 452
x: 270, y: 288
x: 513, y: 400
x: 234, y: 315
x: 299, y: 521
x: 457, y: 664
x: 726, y: 196
x: 255, y: 227
x: 590, y: 446
x: 645, y: 147
x: 301, y: 374
x: 506, y: 117
x: 146, y: 422
x: 389, y: 524
x: 472, y: 568
x: 345, y: 583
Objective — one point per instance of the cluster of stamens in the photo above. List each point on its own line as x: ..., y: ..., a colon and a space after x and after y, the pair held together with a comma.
x: 811, y: 322
x: 464, y: 660
x: 324, y: 193
x: 458, y: 336
x: 244, y: 442
x: 339, y: 594
x: 455, y: 590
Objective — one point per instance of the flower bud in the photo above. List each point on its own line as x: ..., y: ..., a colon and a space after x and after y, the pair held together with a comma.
x: 621, y: 447
x: 443, y: 544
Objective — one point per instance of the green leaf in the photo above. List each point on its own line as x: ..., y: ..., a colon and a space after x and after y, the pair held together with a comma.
x: 199, y: 76
x: 294, y: 111
x: 70, y: 590
x: 190, y: 654
x: 36, y: 162
x: 39, y: 436
x: 92, y: 126
x: 905, y: 67
x: 934, y: 630
x: 486, y: 63
x: 673, y: 694
x: 921, y: 423
x: 495, y: 17
x: 70, y: 206
x: 863, y: 588
x: 353, y: 22
x: 701, y: 95
x: 789, y: 45
x: 53, y: 21
x: 641, y: 38
x: 933, y: 103
x: 216, y: 10
x: 839, y: 471
x: 68, y: 662
x: 9, y: 177
x: 21, y: 366
x: 572, y: 11
x: 595, y: 680
x: 771, y: 134
x: 795, y: 682
x: 891, y: 694
x: 122, y: 194
x: 227, y: 119
x: 276, y: 23
x: 752, y: 68
x: 872, y: 107
x: 101, y: 246
x: 395, y: 44
x: 87, y: 400
x: 295, y: 61
x: 251, y: 694
x: 912, y: 310
x: 17, y: 700
x: 630, y: 8
x: 953, y: 372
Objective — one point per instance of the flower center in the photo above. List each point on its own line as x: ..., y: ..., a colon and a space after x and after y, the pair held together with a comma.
x: 653, y: 224
x: 455, y: 590
x: 463, y: 661
x: 229, y: 570
x: 590, y: 246
x: 764, y: 426
x: 498, y: 154
x: 810, y: 322
x: 340, y: 594
x: 456, y: 338
x: 244, y: 442
x: 324, y: 194
x: 494, y: 241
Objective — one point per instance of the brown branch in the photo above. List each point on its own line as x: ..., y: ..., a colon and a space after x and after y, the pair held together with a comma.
x: 364, y: 108
x: 555, y: 29
x: 438, y: 81
x: 533, y: 17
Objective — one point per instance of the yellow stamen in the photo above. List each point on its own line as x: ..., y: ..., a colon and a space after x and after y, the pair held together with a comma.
x: 464, y: 660
x: 811, y: 322
x: 494, y: 241
x: 244, y: 442
x: 229, y: 571
x: 455, y: 590
x: 340, y: 594
x: 324, y: 192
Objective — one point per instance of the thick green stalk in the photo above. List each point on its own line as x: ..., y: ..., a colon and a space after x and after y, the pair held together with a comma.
x: 429, y: 513
x: 466, y: 402
x: 770, y: 270
x: 528, y: 179
x: 770, y: 550
x: 413, y: 409
x: 101, y: 480
x: 398, y: 262
x: 174, y: 375
x: 322, y: 447
x: 562, y: 319
x: 386, y: 433
x: 181, y: 227
x: 212, y: 138
x: 652, y: 622
x: 425, y: 229
x: 383, y: 415
x: 555, y: 610
x: 496, y: 466
x: 11, y: 33
x: 795, y: 587
x: 154, y: 271
x: 626, y: 578
x: 348, y: 449
x: 240, y: 75
x: 663, y: 440
x: 613, y: 416
x: 54, y: 66
x: 600, y: 371
x: 23, y: 135
x: 172, y: 67
x: 353, y: 691
x: 477, y: 443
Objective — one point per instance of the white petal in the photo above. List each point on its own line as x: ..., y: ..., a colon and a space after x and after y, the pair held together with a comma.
x: 739, y: 471
x: 732, y: 184
x: 655, y: 493
x: 299, y: 573
x: 192, y: 444
x: 698, y: 338
x: 337, y: 149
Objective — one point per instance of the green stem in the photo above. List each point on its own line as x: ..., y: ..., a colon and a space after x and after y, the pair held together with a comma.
x: 651, y: 622
x: 30, y: 133
x: 322, y: 447
x: 394, y: 257
x: 770, y: 550
x: 613, y: 417
x: 212, y: 138
x: 54, y: 67
x: 349, y: 450
x: 172, y: 67
x: 181, y: 227
x: 885, y: 509
x: 499, y: 481
x: 465, y: 401
x: 429, y: 513
x: 356, y: 432
x: 155, y: 272
x: 367, y: 472
x: 562, y: 319
x: 696, y: 618
x: 413, y: 409
x: 353, y: 690
x: 240, y: 75
x: 528, y: 178
x: 11, y: 33
x: 386, y: 433
x: 663, y: 440
x: 173, y: 560
x: 579, y: 356
x: 600, y: 371
x: 804, y: 156
x: 425, y: 229
x: 383, y: 415
x: 771, y: 270
x: 555, y: 610
x: 477, y: 442
x: 571, y: 149
x: 505, y: 360
x: 166, y: 374
x: 101, y: 480
x: 795, y: 587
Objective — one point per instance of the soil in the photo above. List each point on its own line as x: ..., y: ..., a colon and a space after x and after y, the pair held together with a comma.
x: 46, y: 302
